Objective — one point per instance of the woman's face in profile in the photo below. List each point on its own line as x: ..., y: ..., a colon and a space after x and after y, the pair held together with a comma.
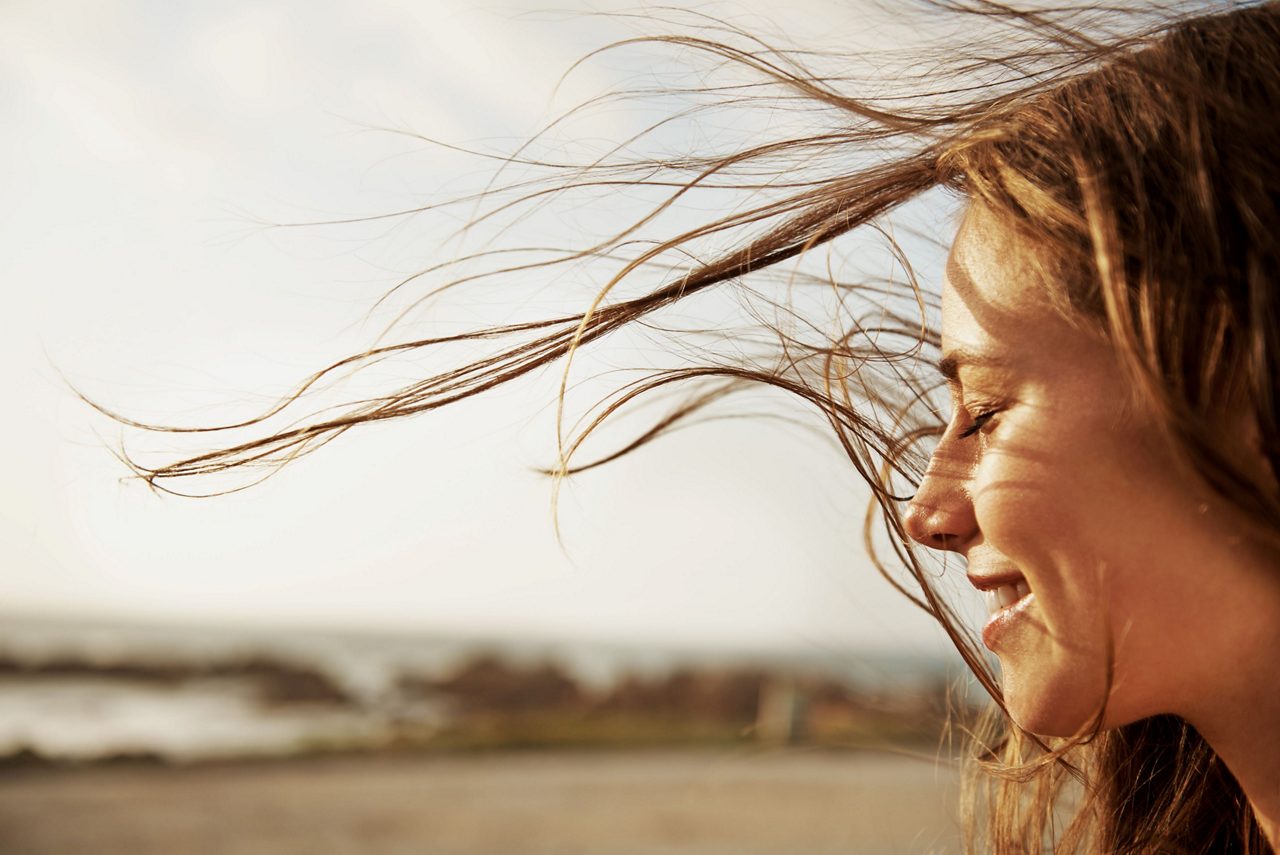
x: 1089, y: 540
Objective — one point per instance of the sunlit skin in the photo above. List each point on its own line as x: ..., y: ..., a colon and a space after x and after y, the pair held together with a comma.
x: 1128, y: 557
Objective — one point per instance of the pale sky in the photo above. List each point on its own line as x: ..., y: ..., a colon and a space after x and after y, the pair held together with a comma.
x: 140, y: 140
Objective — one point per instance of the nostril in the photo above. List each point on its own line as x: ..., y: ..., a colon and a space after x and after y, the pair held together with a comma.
x: 943, y: 542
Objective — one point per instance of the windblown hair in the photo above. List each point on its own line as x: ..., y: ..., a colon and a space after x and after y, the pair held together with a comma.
x: 1141, y: 172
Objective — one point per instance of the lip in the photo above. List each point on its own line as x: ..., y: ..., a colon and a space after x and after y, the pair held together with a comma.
x: 1006, y: 620
x: 987, y: 582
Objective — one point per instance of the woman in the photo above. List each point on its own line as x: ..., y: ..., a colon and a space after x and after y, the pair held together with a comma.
x: 1110, y: 333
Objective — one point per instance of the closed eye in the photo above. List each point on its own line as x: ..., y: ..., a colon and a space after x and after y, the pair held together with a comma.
x: 978, y: 422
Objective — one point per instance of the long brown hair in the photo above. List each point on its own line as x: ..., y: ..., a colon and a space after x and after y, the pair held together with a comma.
x: 1139, y: 169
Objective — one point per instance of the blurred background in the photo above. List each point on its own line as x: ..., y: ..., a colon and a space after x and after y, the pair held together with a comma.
x: 384, y: 648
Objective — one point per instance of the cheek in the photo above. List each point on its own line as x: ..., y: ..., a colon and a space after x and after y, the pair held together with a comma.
x: 1087, y: 527
x: 1030, y: 501
x: 1038, y: 507
x: 1055, y: 553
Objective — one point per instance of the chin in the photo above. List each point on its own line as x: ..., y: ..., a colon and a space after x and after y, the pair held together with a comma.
x: 1055, y: 707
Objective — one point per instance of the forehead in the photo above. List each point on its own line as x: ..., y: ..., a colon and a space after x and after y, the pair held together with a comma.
x: 994, y: 300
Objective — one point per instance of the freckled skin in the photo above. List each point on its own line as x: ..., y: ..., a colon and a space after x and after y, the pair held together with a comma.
x: 1128, y: 556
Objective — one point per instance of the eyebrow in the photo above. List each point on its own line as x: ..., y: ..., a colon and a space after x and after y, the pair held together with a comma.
x: 955, y: 358
x: 956, y: 273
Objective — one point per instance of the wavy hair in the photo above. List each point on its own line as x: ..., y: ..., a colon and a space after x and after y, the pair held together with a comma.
x: 1136, y: 163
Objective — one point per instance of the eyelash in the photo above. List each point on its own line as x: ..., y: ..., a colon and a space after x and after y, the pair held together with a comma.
x: 979, y: 421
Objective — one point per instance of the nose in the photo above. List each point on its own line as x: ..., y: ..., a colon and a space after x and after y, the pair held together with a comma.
x: 940, y: 515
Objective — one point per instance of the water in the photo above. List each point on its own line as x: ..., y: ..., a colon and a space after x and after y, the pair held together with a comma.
x: 92, y: 690
x: 89, y: 718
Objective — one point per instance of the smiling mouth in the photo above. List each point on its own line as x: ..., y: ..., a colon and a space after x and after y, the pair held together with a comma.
x: 1000, y: 593
x: 1003, y: 596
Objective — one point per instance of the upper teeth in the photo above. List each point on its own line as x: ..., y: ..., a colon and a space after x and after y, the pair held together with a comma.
x: 1003, y: 596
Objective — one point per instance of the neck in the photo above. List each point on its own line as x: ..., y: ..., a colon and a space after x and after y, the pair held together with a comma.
x: 1237, y: 709
x: 1243, y: 729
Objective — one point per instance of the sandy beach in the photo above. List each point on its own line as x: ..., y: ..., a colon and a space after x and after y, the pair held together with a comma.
x: 692, y: 803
